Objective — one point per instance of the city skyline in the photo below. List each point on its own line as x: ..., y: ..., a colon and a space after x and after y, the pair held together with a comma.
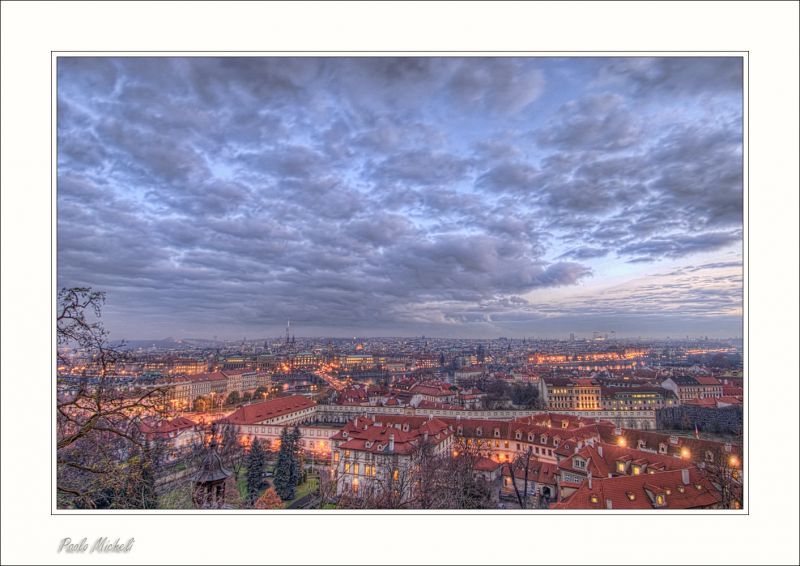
x: 450, y: 197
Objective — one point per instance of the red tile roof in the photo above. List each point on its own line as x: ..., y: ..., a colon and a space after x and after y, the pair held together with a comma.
x: 640, y: 492
x: 264, y: 410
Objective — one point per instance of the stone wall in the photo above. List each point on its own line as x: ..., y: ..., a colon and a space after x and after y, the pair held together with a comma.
x: 728, y: 420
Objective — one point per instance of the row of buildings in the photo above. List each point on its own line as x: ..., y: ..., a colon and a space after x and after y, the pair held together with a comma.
x: 572, y: 462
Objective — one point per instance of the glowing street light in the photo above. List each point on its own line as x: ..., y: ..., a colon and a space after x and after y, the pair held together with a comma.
x: 685, y: 453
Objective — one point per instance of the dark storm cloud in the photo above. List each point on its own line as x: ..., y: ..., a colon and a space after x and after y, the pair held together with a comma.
x: 669, y: 76
x: 208, y: 195
x: 597, y: 122
x: 422, y: 168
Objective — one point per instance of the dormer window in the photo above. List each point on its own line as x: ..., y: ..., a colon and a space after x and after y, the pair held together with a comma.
x: 668, y: 491
x: 662, y: 448
x: 530, y: 437
x: 660, y: 501
x: 681, y: 489
x: 621, y: 467
x: 593, y: 498
x: 459, y: 430
x: 518, y: 435
x: 556, y: 441
x: 709, y: 456
x: 631, y: 496
x: 479, y: 431
x: 543, y: 439
x: 637, y: 470
x: 497, y: 432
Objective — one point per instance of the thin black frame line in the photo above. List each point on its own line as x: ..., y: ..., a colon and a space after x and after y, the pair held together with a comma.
x: 745, y: 464
x: 56, y: 51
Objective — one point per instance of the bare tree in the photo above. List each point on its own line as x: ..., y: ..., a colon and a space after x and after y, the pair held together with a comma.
x: 100, y: 451
x: 724, y: 470
x: 231, y: 450
x: 521, y: 463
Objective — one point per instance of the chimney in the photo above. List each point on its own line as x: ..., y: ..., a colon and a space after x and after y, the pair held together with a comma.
x: 356, y: 422
x: 600, y: 450
x: 590, y: 479
x: 608, y: 504
x: 391, y: 443
x: 685, y: 476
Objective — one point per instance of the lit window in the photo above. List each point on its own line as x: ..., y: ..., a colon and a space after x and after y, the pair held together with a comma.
x: 659, y: 500
x: 620, y: 466
x: 631, y: 496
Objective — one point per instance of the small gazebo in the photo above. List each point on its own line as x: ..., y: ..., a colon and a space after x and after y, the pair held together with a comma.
x: 209, y: 483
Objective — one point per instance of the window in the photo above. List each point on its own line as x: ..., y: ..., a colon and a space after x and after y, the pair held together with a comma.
x: 637, y: 470
x: 620, y: 466
x: 395, y: 474
x: 347, y: 467
x: 593, y: 498
x: 659, y: 500
x: 631, y: 496
x: 346, y: 453
x: 355, y: 468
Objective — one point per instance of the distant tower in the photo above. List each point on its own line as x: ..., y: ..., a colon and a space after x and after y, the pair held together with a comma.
x: 287, y: 331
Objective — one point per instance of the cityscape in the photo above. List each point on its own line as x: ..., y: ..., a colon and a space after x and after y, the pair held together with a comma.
x: 400, y: 283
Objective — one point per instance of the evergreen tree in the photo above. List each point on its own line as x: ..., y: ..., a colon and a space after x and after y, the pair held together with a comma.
x: 297, y: 465
x: 284, y: 480
x: 255, y: 470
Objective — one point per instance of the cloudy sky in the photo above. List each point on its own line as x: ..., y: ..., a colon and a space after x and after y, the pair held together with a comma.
x: 473, y: 197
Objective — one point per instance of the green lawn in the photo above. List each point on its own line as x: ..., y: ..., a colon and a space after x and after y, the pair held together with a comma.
x: 304, y: 489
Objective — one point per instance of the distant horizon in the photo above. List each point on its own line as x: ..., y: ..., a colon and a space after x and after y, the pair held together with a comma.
x: 278, y: 338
